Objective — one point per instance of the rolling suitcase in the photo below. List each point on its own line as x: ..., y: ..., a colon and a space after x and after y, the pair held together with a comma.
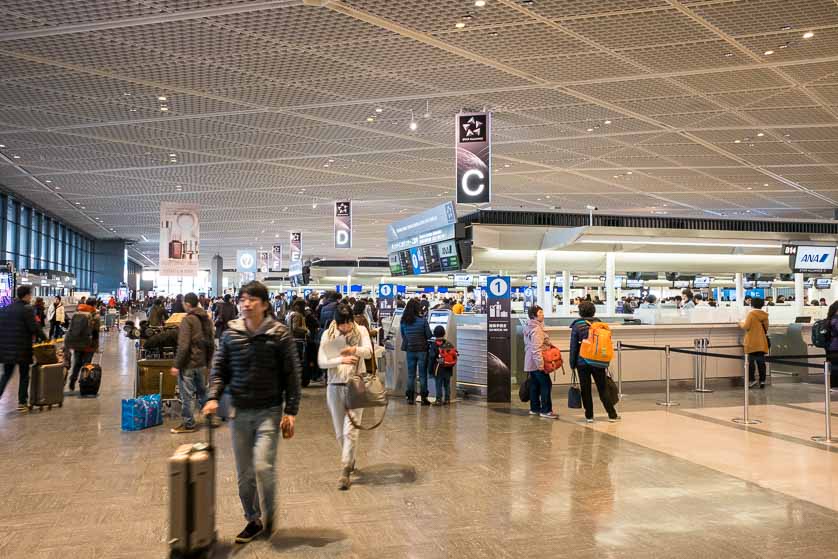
x: 192, y: 499
x: 90, y: 379
x: 46, y: 386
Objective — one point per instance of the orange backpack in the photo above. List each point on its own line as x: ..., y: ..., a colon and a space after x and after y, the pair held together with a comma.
x: 597, y: 350
x: 552, y: 359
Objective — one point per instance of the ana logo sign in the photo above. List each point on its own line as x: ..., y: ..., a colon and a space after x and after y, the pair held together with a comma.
x: 814, y: 258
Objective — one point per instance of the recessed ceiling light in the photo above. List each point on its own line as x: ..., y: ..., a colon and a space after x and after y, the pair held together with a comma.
x: 765, y: 184
x: 413, y: 125
x: 2, y: 145
x: 379, y: 110
x: 750, y: 188
x: 737, y: 141
x: 276, y: 236
x: 467, y: 17
x: 314, y: 206
x: 172, y: 155
x: 83, y: 208
x: 728, y: 54
x: 629, y: 173
x: 47, y: 181
x: 78, y: 203
x: 58, y: 188
x: 133, y: 110
x: 607, y: 122
x: 370, y: 119
x: 15, y: 157
x: 273, y: 221
x: 548, y: 196
x: 331, y: 160
x: 760, y: 135
x: 326, y: 165
x: 493, y: 34
x: 479, y: 3
x: 808, y: 35
x: 768, y: 52
x: 164, y: 109
x: 506, y: 165
x: 590, y: 129
x: 785, y: 28
x: 285, y: 209
x: 459, y: 25
x: 783, y: 46
x: 162, y: 98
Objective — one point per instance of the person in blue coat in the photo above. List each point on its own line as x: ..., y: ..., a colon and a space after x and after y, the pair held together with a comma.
x: 416, y: 333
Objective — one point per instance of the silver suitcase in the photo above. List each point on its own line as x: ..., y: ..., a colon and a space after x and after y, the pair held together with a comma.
x: 192, y: 499
x: 46, y: 386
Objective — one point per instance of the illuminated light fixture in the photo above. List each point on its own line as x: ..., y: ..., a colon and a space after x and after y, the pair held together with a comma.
x: 164, y: 109
x: 285, y: 209
x: 506, y: 165
x: 143, y: 237
x: 629, y: 172
x: 479, y: 3
x: 413, y: 124
x: 783, y: 46
x: 379, y: 110
x: 172, y: 155
x: 548, y: 196
x: 314, y: 206
x: 58, y: 188
x: 276, y: 236
x: 133, y: 110
x: 15, y: 157
x: 750, y: 188
x: 675, y: 243
x: 370, y: 119
x: 768, y: 52
x: 326, y: 165
x: 808, y: 35
x: 459, y: 25
x: 728, y: 54
x: 427, y: 110
x: 47, y: 181
x: 760, y: 135
x: 590, y: 129
x: 162, y: 98
x: 765, y: 184
x: 737, y: 141
x: 607, y: 122
x: 331, y: 160
x: 785, y: 28
x: 78, y: 203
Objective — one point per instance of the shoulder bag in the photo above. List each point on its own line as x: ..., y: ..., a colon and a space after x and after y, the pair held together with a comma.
x: 767, y: 337
x: 574, y: 393
x: 362, y: 392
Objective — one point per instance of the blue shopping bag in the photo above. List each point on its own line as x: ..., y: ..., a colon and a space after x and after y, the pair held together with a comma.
x: 141, y: 413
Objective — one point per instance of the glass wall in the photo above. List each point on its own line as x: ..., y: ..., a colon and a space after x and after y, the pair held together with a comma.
x: 34, y: 240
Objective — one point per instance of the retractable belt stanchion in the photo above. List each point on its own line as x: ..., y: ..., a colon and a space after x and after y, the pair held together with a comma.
x: 745, y: 419
x: 704, y: 343
x: 827, y: 408
x: 620, y: 369
x: 668, y: 401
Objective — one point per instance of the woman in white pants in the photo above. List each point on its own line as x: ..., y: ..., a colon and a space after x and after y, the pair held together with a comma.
x: 343, y: 348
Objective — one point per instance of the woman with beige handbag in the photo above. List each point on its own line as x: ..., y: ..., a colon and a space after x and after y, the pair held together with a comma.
x: 343, y: 349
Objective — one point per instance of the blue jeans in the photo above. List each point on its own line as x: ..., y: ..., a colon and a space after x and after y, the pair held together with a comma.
x: 192, y: 383
x: 417, y: 359
x: 541, y: 397
x: 255, y: 439
x: 23, y: 385
x: 443, y: 384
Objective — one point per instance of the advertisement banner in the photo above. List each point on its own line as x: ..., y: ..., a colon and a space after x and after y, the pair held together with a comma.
x: 179, y: 239
x: 343, y: 224
x: 498, y: 339
x: 264, y: 261
x: 246, y: 261
x: 296, y: 246
x: 473, y: 145
x: 276, y: 258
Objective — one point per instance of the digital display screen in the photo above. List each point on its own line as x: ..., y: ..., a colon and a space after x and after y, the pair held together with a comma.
x: 814, y: 259
x: 634, y: 284
x: 702, y: 281
x: 823, y: 283
x: 6, y: 289
x: 425, y: 259
x: 764, y: 284
x: 809, y: 283
x: 681, y: 284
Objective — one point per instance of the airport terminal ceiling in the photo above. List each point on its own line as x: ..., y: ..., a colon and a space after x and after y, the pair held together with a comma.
x: 265, y: 112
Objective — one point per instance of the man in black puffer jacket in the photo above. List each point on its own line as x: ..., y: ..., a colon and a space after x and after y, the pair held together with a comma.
x: 258, y: 361
x: 18, y: 328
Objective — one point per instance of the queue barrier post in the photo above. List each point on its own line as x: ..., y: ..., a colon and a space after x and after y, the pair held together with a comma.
x: 620, y: 369
x: 827, y: 408
x: 668, y: 402
x: 704, y: 344
x: 745, y: 419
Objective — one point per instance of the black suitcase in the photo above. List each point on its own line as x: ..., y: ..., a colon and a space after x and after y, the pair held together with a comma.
x: 90, y: 380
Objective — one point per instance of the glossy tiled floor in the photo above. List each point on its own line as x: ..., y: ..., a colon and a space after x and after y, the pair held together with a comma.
x: 466, y: 481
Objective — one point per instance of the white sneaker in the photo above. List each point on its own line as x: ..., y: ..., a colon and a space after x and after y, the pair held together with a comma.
x: 589, y: 420
x: 753, y: 383
x: 614, y: 419
x: 533, y: 412
x: 550, y: 415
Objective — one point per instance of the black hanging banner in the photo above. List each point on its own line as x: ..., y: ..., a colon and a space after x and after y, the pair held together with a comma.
x: 296, y: 246
x: 343, y: 224
x: 498, y: 339
x: 474, y: 158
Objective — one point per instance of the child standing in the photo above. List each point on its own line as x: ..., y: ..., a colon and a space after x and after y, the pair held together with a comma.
x: 444, y: 359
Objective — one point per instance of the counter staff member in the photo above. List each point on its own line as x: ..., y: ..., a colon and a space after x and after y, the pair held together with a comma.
x: 756, y: 340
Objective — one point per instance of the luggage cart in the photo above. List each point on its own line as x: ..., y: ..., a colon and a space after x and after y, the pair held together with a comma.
x: 165, y: 384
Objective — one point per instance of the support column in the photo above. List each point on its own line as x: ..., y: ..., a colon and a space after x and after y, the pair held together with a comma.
x: 565, y: 293
x: 740, y: 291
x: 834, y: 291
x: 348, y: 285
x: 610, y: 293
x: 549, y: 310
x: 799, y: 293
x: 540, y: 267
x: 217, y: 275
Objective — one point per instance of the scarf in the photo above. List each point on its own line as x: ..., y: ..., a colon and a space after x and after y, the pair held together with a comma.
x: 353, y: 338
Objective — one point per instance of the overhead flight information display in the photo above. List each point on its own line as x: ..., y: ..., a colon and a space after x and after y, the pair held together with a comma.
x: 425, y: 259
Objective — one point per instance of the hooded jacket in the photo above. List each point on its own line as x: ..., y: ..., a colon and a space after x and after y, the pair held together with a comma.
x: 157, y: 315
x: 261, y: 369
x: 195, y: 341
x: 536, y: 340
x: 95, y: 324
x: 756, y: 331
x: 578, y: 333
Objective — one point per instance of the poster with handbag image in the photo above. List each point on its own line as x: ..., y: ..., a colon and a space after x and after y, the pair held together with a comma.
x: 179, y: 239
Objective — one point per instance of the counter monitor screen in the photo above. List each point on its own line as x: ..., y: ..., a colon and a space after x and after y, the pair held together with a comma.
x: 764, y: 284
x: 803, y: 320
x: 634, y: 284
x: 680, y: 284
x: 701, y: 281
x: 823, y: 283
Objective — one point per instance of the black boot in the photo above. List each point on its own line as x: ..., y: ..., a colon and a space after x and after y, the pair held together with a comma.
x: 425, y: 401
x: 411, y: 398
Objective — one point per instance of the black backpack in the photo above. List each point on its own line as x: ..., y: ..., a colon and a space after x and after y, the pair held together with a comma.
x: 80, y: 334
x: 821, y: 334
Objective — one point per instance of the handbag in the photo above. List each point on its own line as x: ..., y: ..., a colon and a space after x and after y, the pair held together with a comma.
x: 612, y: 393
x: 524, y: 390
x: 574, y: 393
x: 362, y: 392
x: 552, y: 358
x: 767, y: 337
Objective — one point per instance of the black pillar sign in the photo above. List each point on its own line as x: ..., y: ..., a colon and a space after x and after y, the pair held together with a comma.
x: 343, y: 224
x: 498, y: 339
x: 296, y: 246
x: 474, y: 158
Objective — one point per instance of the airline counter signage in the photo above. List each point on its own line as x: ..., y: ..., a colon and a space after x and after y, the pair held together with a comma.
x: 296, y: 246
x: 264, y: 261
x: 813, y: 259
x: 343, y: 224
x: 498, y: 338
x: 474, y: 158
